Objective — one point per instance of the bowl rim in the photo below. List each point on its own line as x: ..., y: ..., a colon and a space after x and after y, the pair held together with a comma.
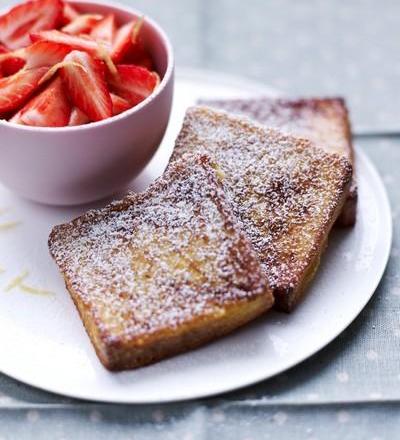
x: 127, y: 113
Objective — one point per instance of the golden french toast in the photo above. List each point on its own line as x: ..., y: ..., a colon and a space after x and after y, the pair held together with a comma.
x: 286, y: 192
x: 324, y: 121
x: 161, y: 272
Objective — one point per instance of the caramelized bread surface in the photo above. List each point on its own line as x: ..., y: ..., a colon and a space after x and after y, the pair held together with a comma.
x: 286, y: 192
x: 163, y: 271
x: 324, y: 121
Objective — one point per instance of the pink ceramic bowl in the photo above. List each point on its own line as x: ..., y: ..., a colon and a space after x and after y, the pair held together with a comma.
x: 74, y: 165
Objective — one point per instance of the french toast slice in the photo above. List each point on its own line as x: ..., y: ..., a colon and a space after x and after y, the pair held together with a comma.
x: 161, y: 272
x: 324, y: 121
x: 286, y: 192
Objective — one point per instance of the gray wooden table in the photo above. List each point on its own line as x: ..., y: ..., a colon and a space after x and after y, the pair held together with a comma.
x: 351, y: 389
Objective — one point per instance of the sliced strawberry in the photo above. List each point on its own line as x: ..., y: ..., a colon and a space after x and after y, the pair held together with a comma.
x: 124, y: 39
x: 133, y: 83
x: 122, y: 42
x: 119, y: 104
x: 74, y: 41
x: 69, y: 14
x: 87, y: 86
x: 50, y: 108
x: 79, y: 42
x: 32, y: 16
x: 44, y: 53
x: 3, y: 49
x: 39, y: 54
x: 16, y: 118
x: 11, y: 64
x: 105, y: 30
x: 139, y: 56
x: 83, y: 24
x: 16, y: 89
x: 78, y: 117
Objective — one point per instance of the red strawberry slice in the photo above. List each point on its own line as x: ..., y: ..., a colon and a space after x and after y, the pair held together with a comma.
x: 87, y: 86
x: 10, y: 64
x: 16, y: 118
x: 81, y: 43
x: 78, y: 42
x: 50, y: 108
x: 105, y: 30
x: 69, y: 14
x: 133, y: 83
x: 74, y: 41
x: 39, y: 54
x: 124, y: 39
x: 3, y: 49
x: 78, y: 117
x: 139, y: 56
x: 122, y: 42
x: 119, y: 104
x: 82, y: 24
x: 16, y: 89
x: 32, y: 16
x: 44, y: 53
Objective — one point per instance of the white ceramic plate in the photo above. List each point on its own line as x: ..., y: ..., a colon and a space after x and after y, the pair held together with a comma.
x: 43, y: 342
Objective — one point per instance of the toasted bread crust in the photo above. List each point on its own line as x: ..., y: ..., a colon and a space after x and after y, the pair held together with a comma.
x: 324, y: 121
x: 286, y: 300
x: 161, y: 272
x: 286, y: 192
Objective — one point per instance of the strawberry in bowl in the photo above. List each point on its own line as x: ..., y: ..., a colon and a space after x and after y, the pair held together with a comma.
x: 85, y: 98
x: 88, y: 52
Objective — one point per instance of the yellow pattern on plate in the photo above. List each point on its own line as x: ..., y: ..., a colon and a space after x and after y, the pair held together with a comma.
x: 8, y: 225
x: 19, y: 282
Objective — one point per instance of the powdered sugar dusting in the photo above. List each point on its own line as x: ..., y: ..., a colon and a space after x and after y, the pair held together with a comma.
x: 157, y: 259
x: 324, y: 121
x: 284, y: 190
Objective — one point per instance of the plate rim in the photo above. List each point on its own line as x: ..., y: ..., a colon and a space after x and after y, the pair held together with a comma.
x: 385, y: 215
x: 213, y: 76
